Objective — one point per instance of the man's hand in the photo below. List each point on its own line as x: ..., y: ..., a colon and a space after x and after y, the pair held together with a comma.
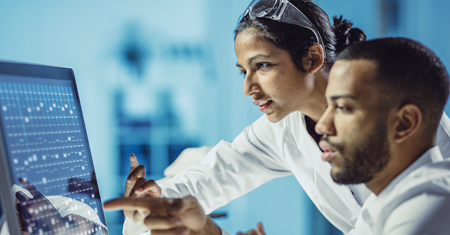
x: 258, y: 231
x: 138, y: 186
x: 169, y: 216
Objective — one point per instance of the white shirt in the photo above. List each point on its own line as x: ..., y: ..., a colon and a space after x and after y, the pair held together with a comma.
x: 416, y: 202
x: 265, y: 151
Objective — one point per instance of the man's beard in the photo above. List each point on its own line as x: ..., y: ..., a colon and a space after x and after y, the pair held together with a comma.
x: 367, y: 160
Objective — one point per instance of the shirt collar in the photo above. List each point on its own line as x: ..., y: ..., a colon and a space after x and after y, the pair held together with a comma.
x: 431, y: 155
x: 372, y: 211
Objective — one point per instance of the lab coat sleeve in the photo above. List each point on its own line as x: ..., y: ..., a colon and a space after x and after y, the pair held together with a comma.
x: 130, y: 228
x: 230, y: 170
x: 423, y: 214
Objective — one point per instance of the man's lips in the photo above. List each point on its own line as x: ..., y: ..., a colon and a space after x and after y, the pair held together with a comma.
x: 328, y: 151
x: 327, y: 155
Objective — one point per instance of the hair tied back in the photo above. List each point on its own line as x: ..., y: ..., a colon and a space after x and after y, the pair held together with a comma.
x: 345, y: 34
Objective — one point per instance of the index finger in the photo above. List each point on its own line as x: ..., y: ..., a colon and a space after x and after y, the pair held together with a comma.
x: 154, y: 205
x: 135, y: 179
x: 134, y: 162
x: 260, y: 228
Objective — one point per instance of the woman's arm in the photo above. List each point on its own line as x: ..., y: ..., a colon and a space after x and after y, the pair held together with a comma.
x: 230, y: 170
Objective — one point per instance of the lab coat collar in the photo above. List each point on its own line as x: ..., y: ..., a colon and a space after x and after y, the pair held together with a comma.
x: 383, y: 203
x: 431, y: 155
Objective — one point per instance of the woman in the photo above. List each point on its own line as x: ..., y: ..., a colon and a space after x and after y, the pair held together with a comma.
x: 284, y: 50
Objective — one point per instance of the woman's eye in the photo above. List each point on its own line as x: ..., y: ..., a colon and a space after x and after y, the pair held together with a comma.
x: 242, y: 73
x: 262, y: 65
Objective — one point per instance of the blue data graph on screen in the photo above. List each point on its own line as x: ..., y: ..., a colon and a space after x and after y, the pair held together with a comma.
x: 45, y: 141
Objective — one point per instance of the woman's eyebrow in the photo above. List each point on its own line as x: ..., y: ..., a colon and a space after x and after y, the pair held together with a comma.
x: 251, y: 59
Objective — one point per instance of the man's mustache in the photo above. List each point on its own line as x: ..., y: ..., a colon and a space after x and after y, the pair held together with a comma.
x: 336, y: 147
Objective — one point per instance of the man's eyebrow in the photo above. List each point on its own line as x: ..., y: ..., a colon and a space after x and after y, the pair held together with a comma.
x: 251, y: 59
x: 335, y: 97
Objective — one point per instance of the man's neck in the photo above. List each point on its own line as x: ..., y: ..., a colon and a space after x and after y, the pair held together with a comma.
x: 401, y: 159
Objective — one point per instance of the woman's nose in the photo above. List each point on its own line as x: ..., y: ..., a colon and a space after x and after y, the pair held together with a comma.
x: 251, y: 85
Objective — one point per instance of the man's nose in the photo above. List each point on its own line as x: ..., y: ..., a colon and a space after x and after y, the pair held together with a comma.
x: 325, y: 125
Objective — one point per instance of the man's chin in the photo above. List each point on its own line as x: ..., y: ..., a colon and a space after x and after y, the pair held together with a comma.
x: 341, y: 181
x: 345, y: 177
x: 336, y: 176
x: 341, y: 177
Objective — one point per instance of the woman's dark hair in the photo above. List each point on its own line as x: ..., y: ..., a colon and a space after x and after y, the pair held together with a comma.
x: 296, y: 40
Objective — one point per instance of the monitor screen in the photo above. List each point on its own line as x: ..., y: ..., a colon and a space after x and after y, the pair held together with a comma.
x: 48, y: 156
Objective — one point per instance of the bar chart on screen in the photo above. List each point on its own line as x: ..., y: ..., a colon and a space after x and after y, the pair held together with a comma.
x: 45, y: 140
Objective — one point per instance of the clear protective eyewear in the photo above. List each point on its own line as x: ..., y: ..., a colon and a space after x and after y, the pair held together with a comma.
x: 283, y: 11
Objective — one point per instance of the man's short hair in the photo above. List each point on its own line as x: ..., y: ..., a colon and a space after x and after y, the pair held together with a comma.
x: 408, y: 73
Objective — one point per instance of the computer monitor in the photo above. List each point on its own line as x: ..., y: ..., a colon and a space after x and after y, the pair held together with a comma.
x: 45, y: 161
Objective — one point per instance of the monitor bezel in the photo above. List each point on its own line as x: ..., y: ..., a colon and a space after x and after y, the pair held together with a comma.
x: 40, y: 71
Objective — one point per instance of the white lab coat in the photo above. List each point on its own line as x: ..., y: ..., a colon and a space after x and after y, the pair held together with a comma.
x: 417, y: 201
x: 265, y: 151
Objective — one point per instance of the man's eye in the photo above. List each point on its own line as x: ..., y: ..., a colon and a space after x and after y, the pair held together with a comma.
x: 262, y: 65
x: 343, y: 109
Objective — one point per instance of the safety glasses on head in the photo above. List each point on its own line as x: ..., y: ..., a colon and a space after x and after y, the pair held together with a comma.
x: 283, y: 11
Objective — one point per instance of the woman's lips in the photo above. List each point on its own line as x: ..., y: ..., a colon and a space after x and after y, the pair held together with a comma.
x: 264, y: 106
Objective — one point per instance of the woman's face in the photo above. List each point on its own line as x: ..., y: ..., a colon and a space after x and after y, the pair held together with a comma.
x: 276, y: 85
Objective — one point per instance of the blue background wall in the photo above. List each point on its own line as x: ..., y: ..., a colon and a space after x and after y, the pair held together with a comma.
x: 157, y: 76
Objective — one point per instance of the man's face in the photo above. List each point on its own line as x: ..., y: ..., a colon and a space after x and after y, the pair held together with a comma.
x: 355, y: 141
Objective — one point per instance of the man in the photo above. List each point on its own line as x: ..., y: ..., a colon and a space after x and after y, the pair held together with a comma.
x: 386, y: 99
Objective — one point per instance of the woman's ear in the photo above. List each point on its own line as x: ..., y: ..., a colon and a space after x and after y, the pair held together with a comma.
x: 316, y: 58
x: 408, y: 121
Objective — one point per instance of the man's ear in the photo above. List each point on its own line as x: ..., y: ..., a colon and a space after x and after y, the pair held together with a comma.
x: 315, y: 58
x: 408, y: 120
